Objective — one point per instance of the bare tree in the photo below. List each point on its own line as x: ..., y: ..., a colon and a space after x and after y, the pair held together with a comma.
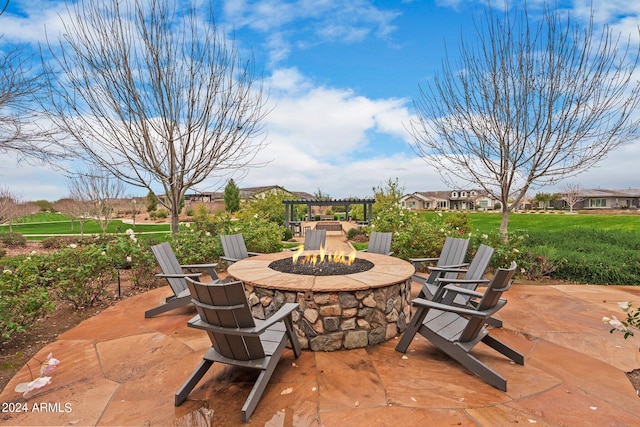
x: 533, y: 100
x: 98, y: 190
x: 8, y: 206
x: 572, y: 194
x: 19, y: 117
x: 77, y: 208
x: 151, y: 92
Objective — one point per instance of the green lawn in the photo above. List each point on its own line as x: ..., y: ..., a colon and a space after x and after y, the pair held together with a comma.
x: 59, y: 225
x: 528, y: 222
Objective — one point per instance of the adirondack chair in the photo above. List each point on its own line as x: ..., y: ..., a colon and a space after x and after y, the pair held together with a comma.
x: 452, y: 255
x: 234, y: 248
x: 313, y: 240
x: 473, y: 276
x: 175, y: 275
x: 237, y: 338
x: 456, y: 330
x: 379, y: 243
x: 471, y: 279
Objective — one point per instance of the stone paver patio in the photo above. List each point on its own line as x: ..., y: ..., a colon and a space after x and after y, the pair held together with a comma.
x: 119, y: 368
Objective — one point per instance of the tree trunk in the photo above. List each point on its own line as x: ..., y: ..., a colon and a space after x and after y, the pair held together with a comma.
x: 504, y: 224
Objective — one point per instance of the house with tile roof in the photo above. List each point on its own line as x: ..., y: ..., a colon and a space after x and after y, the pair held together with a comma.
x: 217, y: 197
x: 463, y: 200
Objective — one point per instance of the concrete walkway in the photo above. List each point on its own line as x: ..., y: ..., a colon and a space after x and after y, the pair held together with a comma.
x: 119, y: 368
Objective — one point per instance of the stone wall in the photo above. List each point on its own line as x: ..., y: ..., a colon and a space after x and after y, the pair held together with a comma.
x: 329, y: 321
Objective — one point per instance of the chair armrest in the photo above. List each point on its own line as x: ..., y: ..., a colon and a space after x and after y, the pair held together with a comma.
x: 297, y: 248
x: 254, y: 253
x: 278, y: 316
x: 448, y: 269
x: 445, y: 281
x: 178, y: 275
x: 456, y: 309
x: 213, y: 265
x: 464, y: 291
x: 414, y: 260
x: 225, y: 258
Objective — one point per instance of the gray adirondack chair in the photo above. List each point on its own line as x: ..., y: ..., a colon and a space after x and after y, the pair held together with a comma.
x: 237, y: 338
x: 472, y: 277
x: 175, y: 275
x: 313, y: 240
x: 452, y: 255
x: 379, y: 243
x: 234, y: 248
x: 457, y: 330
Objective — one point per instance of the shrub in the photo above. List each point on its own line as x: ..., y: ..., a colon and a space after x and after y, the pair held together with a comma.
x: 13, y: 239
x: 81, y: 275
x: 133, y: 253
x: 353, y: 232
x: 58, y: 242
x: 288, y: 234
x: 193, y: 246
x: 24, y: 296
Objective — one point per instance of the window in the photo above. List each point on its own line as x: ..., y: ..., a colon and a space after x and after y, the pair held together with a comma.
x: 442, y: 204
x: 597, y: 203
x: 464, y: 194
x: 474, y: 193
x: 454, y: 194
x: 483, y: 203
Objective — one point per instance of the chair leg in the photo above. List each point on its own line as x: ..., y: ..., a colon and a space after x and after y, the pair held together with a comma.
x: 498, y: 345
x: 496, y: 323
x: 183, y: 392
x: 261, y: 383
x: 169, y: 305
x: 412, y: 330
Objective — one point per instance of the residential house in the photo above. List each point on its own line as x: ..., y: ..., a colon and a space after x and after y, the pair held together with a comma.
x: 216, y: 198
x: 603, y: 199
x: 450, y: 200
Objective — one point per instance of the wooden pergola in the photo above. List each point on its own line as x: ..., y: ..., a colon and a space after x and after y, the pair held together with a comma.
x: 289, y: 212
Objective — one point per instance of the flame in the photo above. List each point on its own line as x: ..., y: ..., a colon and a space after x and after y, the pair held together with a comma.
x: 323, y: 256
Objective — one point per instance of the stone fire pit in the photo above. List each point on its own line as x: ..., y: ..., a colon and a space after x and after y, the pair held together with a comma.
x: 339, y: 311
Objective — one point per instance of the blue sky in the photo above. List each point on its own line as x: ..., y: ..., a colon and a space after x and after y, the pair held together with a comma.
x: 341, y: 75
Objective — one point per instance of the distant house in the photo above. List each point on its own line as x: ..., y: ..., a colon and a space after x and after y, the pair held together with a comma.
x: 246, y: 194
x: 604, y: 199
x: 450, y: 200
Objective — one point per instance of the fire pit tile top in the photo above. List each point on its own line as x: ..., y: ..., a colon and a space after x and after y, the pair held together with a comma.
x: 386, y: 270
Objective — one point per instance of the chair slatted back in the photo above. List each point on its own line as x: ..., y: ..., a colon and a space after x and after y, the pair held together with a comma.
x: 379, y: 243
x: 234, y: 247
x: 314, y: 239
x: 169, y: 265
x: 453, y: 253
x: 475, y: 271
x: 500, y: 283
x: 225, y: 305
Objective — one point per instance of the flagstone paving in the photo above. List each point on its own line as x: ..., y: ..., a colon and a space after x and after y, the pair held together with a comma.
x: 119, y: 368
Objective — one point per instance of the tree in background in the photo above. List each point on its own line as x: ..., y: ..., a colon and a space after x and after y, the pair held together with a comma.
x: 152, y: 202
x: 151, y: 92
x: 100, y: 191
x: 572, y: 194
x: 231, y: 197
x: 533, y: 100
x: 545, y: 199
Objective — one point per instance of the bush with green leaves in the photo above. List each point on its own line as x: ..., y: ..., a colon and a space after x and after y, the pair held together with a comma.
x: 24, y: 294
x: 81, y: 274
x: 13, y: 239
x: 193, y: 246
x: 132, y: 252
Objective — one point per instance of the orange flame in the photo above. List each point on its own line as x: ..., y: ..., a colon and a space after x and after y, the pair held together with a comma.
x: 322, y: 256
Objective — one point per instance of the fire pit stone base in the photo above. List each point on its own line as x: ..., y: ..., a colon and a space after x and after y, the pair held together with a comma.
x: 331, y: 321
